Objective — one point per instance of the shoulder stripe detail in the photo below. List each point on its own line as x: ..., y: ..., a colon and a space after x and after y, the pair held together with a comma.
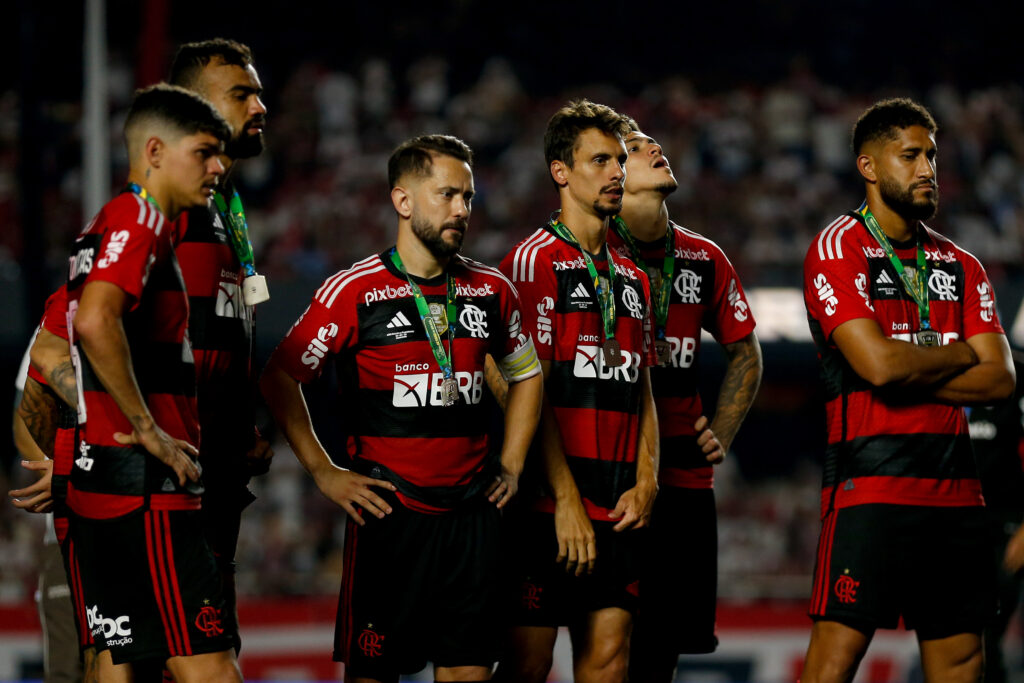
x: 526, y: 255
x: 478, y: 267
x: 332, y: 292
x: 141, y: 220
x: 333, y: 279
x: 830, y: 239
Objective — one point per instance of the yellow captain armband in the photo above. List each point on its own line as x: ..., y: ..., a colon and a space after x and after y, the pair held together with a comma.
x: 521, y: 364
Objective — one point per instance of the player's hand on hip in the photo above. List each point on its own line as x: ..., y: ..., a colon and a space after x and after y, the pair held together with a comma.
x: 349, y: 489
x: 37, y: 496
x: 259, y: 456
x: 708, y: 442
x: 577, y: 545
x: 179, y: 455
x: 634, y: 507
x: 504, y: 488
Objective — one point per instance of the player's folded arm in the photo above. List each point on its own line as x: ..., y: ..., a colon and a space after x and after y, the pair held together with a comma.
x: 882, y: 361
x: 993, y: 378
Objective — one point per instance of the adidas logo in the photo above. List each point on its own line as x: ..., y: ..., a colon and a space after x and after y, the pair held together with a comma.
x: 399, y: 327
x: 884, y: 278
x: 399, y: 320
x: 580, y: 292
x: 168, y: 485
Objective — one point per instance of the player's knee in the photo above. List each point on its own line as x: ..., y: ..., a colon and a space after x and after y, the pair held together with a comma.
x: 606, y: 661
x: 831, y: 666
x: 967, y: 668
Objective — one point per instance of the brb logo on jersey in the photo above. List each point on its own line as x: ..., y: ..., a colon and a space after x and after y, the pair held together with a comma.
x: 943, y: 284
x: 546, y: 305
x: 227, y: 305
x: 632, y: 302
x: 590, y: 365
x: 986, y: 305
x: 424, y: 388
x: 826, y: 293
x: 474, y: 319
x: 318, y: 346
x: 687, y: 286
x: 115, y: 247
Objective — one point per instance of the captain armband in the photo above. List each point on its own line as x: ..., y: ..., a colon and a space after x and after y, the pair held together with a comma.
x: 521, y: 364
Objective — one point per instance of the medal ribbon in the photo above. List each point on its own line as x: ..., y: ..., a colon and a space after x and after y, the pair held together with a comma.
x: 445, y: 360
x: 668, y: 265
x: 141, y: 191
x: 915, y: 285
x: 238, y: 229
x: 605, y: 298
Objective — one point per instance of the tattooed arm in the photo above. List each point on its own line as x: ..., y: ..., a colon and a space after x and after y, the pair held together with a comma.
x: 739, y: 387
x: 495, y: 381
x: 37, y: 412
x: 51, y: 356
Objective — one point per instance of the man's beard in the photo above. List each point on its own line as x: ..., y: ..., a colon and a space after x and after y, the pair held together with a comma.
x: 903, y: 203
x: 665, y: 189
x: 433, y: 239
x: 244, y: 146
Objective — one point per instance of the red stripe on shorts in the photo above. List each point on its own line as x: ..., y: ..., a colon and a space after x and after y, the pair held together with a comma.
x: 175, y: 588
x: 152, y: 551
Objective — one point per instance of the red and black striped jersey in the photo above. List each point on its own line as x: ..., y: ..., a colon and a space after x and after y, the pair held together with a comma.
x: 705, y: 294
x: 220, y: 329
x: 882, y: 447
x: 400, y: 429
x: 596, y: 406
x: 130, y: 244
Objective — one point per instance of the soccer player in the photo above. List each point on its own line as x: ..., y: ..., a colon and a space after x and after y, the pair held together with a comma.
x: 216, y: 262
x: 906, y: 328
x: 693, y: 286
x: 149, y: 581
x: 413, y: 325
x: 573, y: 553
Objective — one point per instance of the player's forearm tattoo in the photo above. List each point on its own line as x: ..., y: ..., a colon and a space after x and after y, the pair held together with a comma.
x: 38, y: 410
x: 62, y: 380
x: 496, y: 382
x: 739, y: 387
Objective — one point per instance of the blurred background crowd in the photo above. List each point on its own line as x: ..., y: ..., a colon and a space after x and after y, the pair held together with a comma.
x: 754, y: 115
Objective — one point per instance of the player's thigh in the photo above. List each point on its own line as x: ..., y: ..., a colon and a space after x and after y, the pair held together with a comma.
x: 834, y: 653
x: 210, y: 666
x: 953, y: 659
x: 602, y: 637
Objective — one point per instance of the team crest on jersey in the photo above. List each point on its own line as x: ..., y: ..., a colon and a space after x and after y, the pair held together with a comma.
x: 474, y: 319
x: 943, y: 285
x: 631, y: 300
x: 846, y: 588
x: 687, y: 286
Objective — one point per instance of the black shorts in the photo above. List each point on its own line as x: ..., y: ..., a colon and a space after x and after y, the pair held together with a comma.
x: 679, y: 576
x: 539, y: 592
x: 929, y: 565
x: 419, y: 587
x: 72, y: 567
x: 150, y: 586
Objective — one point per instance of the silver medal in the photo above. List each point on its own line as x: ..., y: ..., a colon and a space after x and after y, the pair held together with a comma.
x: 450, y: 391
x: 927, y: 338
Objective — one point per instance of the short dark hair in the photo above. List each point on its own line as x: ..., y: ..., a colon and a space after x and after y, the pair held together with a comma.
x: 564, y: 128
x: 170, y: 105
x: 192, y: 58
x: 417, y: 155
x: 885, y: 117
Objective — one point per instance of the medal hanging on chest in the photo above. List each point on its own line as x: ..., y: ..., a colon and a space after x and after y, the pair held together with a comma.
x: 660, y: 283
x: 914, y: 280
x: 437, y: 318
x: 254, y: 286
x: 611, y: 350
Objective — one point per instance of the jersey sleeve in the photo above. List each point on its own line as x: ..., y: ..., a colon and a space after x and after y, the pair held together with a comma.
x: 729, y: 318
x: 516, y: 354
x: 835, y: 287
x: 130, y: 246
x: 979, y: 310
x: 320, y: 331
x: 537, y: 291
x: 55, y: 315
